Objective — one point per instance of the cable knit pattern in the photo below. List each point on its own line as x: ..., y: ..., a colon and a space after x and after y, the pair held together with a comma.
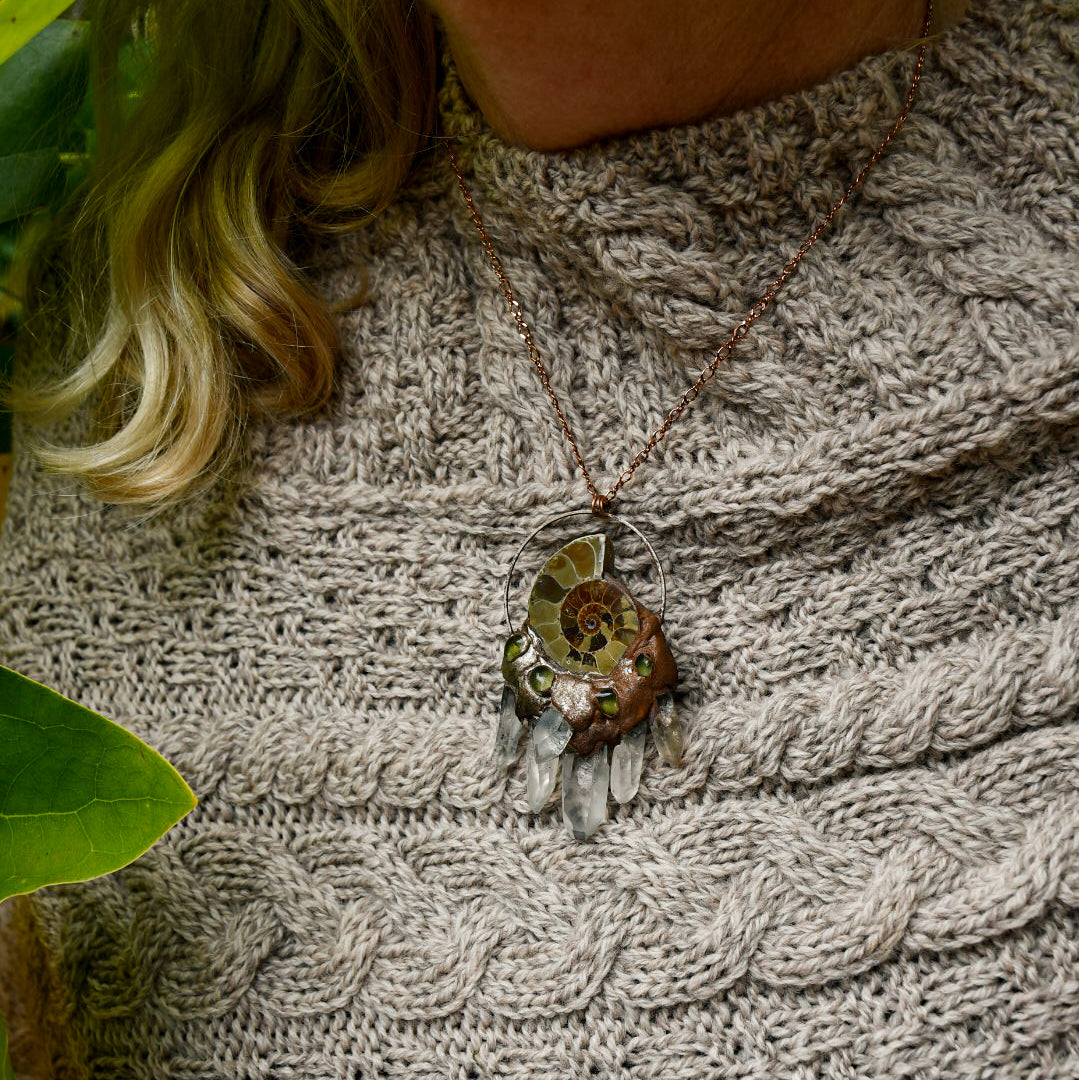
x: 869, y: 864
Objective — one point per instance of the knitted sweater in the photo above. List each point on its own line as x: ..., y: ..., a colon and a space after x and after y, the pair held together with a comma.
x: 868, y: 864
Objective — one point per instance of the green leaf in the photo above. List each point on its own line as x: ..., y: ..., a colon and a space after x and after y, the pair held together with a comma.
x: 43, y: 86
x: 20, y: 20
x: 8, y: 242
x: 135, y: 65
x: 27, y: 181
x: 41, y: 90
x: 79, y: 796
x: 6, y: 1072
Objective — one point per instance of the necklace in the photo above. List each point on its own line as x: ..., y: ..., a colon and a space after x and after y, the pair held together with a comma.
x: 589, y: 670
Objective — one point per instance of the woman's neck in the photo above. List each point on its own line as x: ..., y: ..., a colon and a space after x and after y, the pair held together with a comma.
x: 568, y: 72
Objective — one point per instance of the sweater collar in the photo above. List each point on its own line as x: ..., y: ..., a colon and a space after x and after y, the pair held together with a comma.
x: 657, y: 219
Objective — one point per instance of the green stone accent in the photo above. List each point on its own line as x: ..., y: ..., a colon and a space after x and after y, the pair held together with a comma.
x: 514, y: 647
x: 540, y: 679
x: 608, y: 702
x: 643, y: 664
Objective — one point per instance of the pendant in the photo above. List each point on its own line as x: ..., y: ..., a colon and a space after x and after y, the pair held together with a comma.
x: 587, y: 675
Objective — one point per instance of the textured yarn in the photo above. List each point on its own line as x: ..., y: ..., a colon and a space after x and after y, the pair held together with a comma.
x: 868, y: 865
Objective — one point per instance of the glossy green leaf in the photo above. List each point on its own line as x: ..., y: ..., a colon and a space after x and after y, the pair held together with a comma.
x: 28, y: 181
x: 21, y: 20
x: 43, y: 86
x: 9, y: 234
x: 79, y: 796
x: 135, y: 65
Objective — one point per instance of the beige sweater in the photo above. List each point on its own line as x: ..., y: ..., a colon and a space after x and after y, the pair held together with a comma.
x: 869, y: 863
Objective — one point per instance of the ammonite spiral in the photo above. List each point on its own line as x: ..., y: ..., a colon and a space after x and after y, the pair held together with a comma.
x: 588, y: 670
x: 585, y: 622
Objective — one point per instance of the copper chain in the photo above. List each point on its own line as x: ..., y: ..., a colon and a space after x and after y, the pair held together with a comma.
x: 601, y: 501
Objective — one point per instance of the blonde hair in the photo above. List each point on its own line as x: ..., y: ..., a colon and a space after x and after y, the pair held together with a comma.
x: 184, y: 313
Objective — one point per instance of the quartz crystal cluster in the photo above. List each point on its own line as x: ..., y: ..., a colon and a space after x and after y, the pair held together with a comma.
x: 587, y: 674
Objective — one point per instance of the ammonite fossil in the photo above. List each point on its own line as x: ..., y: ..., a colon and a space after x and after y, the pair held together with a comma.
x: 588, y: 672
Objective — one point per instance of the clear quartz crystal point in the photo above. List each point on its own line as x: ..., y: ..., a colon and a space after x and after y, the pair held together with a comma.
x: 666, y: 730
x: 509, y: 729
x: 541, y: 777
x: 584, y: 792
x: 550, y: 734
x: 626, y: 761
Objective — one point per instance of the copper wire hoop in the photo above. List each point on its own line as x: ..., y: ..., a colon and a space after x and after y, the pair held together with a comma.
x: 586, y: 513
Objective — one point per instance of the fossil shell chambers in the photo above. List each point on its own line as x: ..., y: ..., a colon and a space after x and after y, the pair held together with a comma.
x: 588, y: 648
x: 588, y: 671
x: 586, y: 622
